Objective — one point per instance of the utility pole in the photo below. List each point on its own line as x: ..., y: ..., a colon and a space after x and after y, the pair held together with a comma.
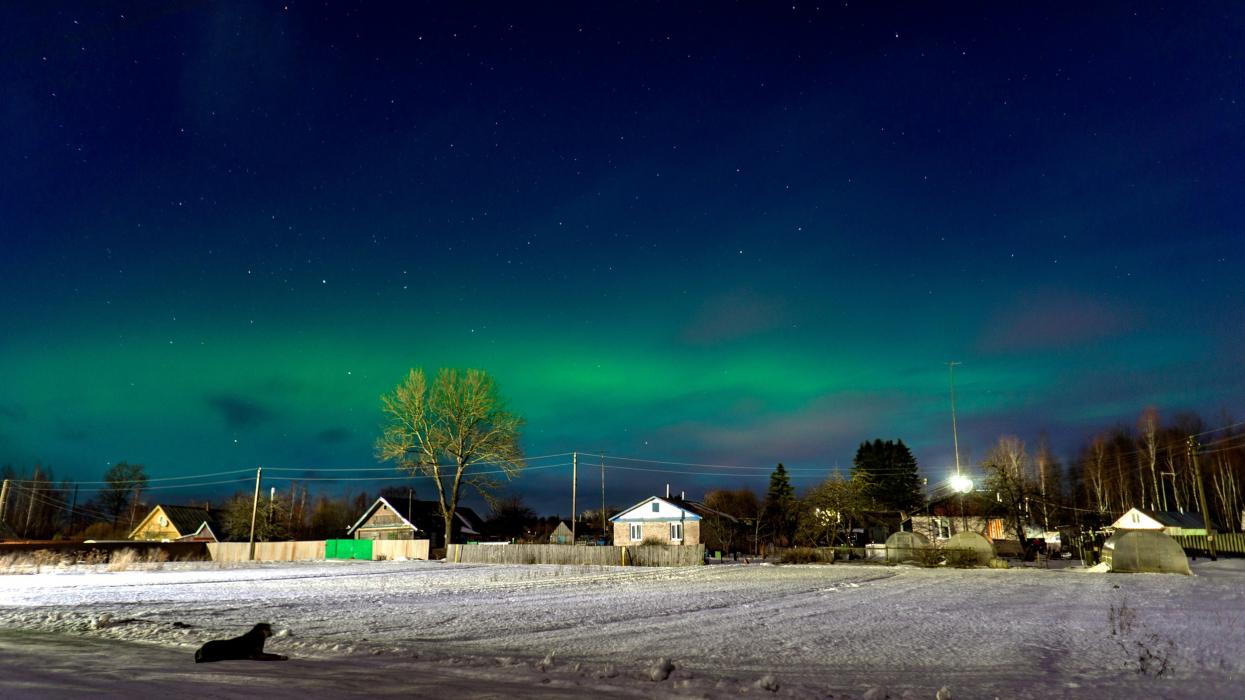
x: 955, y: 435
x: 955, y: 438
x: 4, y: 498
x: 1201, y: 498
x: 574, y: 486
x: 254, y: 509
x: 604, y: 534
x: 73, y: 505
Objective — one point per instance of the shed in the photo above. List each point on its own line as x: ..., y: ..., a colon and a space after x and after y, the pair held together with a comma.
x: 561, y: 535
x: 1144, y: 551
x: 657, y: 519
x: 166, y: 523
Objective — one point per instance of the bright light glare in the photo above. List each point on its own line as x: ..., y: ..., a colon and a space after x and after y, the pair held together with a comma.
x: 961, y: 483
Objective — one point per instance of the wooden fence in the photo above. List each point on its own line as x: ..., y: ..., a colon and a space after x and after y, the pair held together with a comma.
x: 312, y: 550
x: 636, y: 555
x: 1225, y: 542
x: 400, y: 549
x: 267, y: 551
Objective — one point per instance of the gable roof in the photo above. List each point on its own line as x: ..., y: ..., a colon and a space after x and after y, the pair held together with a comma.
x: 427, y: 513
x: 1157, y: 519
x: 666, y: 511
x: 703, y: 510
x: 561, y: 529
x: 185, y: 519
x: 372, y: 510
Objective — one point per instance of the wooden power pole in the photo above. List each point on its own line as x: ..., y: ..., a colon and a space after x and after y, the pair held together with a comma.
x: 604, y: 535
x: 4, y: 498
x: 1201, y: 499
x: 574, y: 488
x: 254, y: 509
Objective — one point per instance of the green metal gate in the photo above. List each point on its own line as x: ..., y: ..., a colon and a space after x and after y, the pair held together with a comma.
x: 348, y: 549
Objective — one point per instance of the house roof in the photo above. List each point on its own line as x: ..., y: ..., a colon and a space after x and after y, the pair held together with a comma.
x: 665, y: 511
x: 1165, y: 518
x: 428, y: 513
x: 561, y: 529
x: 185, y: 519
x: 702, y: 510
x: 372, y: 510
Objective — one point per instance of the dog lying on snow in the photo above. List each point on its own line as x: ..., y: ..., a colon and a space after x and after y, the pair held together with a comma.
x: 248, y: 647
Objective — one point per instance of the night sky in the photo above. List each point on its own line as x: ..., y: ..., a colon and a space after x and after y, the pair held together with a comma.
x: 705, y: 233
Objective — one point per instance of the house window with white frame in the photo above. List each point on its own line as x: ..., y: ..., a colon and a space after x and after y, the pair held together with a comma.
x: 637, y: 532
x: 676, y: 532
x: 942, y: 528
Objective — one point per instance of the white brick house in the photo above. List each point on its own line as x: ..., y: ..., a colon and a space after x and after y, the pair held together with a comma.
x: 656, y: 519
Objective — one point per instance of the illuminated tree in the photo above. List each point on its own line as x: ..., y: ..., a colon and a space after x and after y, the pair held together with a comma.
x: 456, y: 431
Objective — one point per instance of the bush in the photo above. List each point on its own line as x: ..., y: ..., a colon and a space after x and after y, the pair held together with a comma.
x: 653, y: 540
x: 927, y: 556
x: 801, y: 555
x: 997, y: 563
x: 962, y: 558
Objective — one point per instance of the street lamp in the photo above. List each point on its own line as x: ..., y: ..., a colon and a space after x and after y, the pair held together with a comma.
x: 962, y: 484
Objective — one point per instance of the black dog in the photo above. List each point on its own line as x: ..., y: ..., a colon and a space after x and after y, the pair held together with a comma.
x: 249, y: 646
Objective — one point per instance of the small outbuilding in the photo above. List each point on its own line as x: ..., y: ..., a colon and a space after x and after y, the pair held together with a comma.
x: 1144, y: 551
x: 561, y: 535
x: 656, y: 520
x: 906, y: 546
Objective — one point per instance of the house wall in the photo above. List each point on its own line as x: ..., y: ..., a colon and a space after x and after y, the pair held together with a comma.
x: 151, y: 529
x: 656, y: 530
x: 992, y: 528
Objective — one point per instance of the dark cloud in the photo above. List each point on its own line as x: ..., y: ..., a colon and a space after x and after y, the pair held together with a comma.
x: 1054, y: 320
x: 334, y: 435
x: 238, y: 412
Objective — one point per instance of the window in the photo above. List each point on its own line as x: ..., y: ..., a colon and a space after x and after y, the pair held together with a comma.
x: 676, y: 532
x: 656, y: 506
x: 942, y: 528
x: 637, y: 532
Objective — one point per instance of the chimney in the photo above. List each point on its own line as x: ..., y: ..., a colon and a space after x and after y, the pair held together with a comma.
x: 682, y: 495
x: 667, y: 490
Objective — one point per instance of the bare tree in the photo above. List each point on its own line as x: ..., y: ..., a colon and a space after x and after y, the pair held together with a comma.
x: 456, y: 432
x: 1148, y: 427
x: 1006, y: 467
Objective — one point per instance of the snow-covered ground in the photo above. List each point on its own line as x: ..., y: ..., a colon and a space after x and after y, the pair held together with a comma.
x: 432, y: 629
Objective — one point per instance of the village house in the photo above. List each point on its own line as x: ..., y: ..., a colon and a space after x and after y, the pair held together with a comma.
x: 401, y: 521
x: 382, y: 521
x: 656, y: 520
x: 976, y: 512
x: 167, y: 523
x: 1169, y: 522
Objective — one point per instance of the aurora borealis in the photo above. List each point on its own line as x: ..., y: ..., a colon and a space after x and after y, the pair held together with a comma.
x: 699, y: 232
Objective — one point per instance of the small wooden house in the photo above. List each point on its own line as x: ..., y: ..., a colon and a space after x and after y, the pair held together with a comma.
x: 561, y: 535
x: 1169, y: 522
x: 656, y: 519
x: 382, y: 522
x: 177, y: 523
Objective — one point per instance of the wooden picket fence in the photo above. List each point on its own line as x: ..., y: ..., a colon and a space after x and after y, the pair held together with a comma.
x: 636, y: 555
x: 1225, y: 542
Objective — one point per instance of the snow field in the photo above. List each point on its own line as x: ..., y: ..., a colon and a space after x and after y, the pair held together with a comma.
x: 797, y: 631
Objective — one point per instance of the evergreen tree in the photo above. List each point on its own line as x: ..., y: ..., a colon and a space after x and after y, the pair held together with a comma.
x: 889, y: 474
x: 781, y: 508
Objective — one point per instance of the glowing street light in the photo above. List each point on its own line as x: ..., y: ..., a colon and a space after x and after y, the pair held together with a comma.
x: 961, y: 483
